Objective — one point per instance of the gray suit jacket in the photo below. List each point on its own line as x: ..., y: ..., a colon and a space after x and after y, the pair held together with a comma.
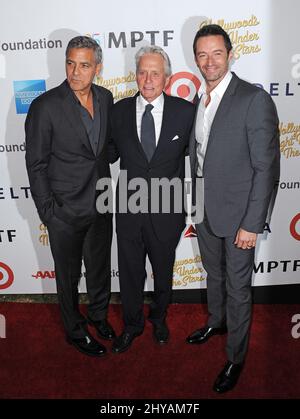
x: 242, y: 159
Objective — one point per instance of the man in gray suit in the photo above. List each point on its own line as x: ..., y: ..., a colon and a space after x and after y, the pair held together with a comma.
x: 234, y: 155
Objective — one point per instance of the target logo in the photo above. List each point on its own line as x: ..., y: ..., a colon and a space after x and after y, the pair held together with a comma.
x: 6, y: 276
x: 293, y: 229
x: 184, y: 85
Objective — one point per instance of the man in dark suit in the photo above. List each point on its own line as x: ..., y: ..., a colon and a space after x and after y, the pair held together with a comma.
x: 234, y: 155
x: 67, y: 131
x: 151, y: 132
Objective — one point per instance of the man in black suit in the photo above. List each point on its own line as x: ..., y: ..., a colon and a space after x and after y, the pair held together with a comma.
x: 151, y: 134
x: 67, y: 130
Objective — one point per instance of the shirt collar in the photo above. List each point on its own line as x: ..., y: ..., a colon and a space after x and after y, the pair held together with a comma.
x: 220, y: 89
x: 158, y: 103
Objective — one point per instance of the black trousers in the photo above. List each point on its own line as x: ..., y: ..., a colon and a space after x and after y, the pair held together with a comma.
x: 69, y: 245
x: 132, y: 274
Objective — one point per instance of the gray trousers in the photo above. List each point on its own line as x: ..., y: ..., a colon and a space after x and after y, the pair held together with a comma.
x: 229, y: 272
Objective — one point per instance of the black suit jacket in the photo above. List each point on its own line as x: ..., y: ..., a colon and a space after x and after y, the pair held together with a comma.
x: 62, y: 168
x: 168, y: 161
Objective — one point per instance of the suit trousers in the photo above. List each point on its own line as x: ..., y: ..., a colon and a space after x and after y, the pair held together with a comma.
x: 69, y: 245
x: 229, y: 272
x: 132, y: 274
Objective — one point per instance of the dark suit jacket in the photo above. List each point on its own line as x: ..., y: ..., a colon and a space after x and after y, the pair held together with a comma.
x: 62, y: 168
x: 168, y: 160
x: 242, y: 158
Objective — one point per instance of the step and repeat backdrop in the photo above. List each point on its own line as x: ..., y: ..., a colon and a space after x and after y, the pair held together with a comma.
x: 33, y: 39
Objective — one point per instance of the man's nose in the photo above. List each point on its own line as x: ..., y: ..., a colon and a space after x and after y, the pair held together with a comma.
x: 75, y: 69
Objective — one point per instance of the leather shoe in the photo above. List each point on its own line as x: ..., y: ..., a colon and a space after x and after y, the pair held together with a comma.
x: 123, y: 342
x: 161, y: 333
x: 104, y: 329
x: 228, y: 377
x: 202, y: 335
x: 87, y: 345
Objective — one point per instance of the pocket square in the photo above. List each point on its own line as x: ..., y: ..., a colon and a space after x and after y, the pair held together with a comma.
x: 175, y: 138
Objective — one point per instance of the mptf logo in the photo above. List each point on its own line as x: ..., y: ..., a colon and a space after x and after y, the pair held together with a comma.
x: 295, y: 234
x: 184, y: 85
x: 6, y: 276
x: 26, y: 91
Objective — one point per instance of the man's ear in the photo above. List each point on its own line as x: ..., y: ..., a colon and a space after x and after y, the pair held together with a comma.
x: 98, y: 68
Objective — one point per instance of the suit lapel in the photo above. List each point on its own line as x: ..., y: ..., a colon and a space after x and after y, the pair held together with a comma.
x: 133, y: 128
x: 103, y: 118
x: 73, y: 115
x: 166, y: 123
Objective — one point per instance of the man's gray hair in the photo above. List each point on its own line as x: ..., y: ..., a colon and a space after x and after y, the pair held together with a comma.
x: 154, y: 50
x: 86, y: 42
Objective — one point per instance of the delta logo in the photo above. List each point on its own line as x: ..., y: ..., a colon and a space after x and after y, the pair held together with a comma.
x: 190, y: 232
x: 44, y: 275
x: 25, y: 91
x: 6, y: 276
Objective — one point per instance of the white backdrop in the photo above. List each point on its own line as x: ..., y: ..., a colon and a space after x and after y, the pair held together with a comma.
x: 33, y: 38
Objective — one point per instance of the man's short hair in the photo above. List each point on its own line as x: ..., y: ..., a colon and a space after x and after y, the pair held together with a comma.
x: 154, y: 50
x: 208, y: 30
x: 85, y: 42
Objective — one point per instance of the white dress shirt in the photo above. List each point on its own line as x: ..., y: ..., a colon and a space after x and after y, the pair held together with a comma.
x: 205, y: 116
x: 157, y: 113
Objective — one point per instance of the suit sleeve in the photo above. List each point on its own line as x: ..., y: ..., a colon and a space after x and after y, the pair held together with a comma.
x: 38, y: 130
x: 113, y: 153
x: 263, y: 140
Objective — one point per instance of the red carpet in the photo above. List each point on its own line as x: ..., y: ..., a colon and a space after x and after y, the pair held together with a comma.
x: 36, y: 362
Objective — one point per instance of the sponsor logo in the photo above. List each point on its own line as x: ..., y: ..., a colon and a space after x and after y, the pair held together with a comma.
x: 26, y: 91
x: 190, y: 232
x: 280, y: 265
x: 44, y: 275
x: 184, y: 85
x: 7, y: 234
x: 120, y: 87
x: 6, y: 276
x: 133, y: 39
x: 12, y: 148
x: 284, y: 185
x: 19, y: 192
x: 243, y: 34
x: 29, y: 44
x: 289, y: 139
x: 280, y: 89
x: 295, y: 234
x: 188, y: 271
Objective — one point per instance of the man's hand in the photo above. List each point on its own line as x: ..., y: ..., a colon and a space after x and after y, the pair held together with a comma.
x: 245, y: 240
